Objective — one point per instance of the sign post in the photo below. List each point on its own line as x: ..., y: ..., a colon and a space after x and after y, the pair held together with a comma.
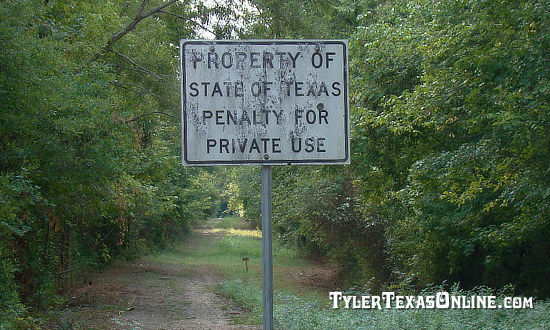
x: 264, y: 102
x: 267, y: 253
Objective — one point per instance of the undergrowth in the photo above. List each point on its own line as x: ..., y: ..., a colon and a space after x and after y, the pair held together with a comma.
x: 293, y: 312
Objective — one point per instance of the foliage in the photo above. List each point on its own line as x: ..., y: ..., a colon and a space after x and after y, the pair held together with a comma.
x: 461, y: 96
x: 243, y: 192
x: 450, y: 152
x: 89, y: 143
x: 292, y: 312
x: 323, y: 219
x: 450, y: 141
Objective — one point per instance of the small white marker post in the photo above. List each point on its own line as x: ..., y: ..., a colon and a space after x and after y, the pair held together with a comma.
x: 267, y: 253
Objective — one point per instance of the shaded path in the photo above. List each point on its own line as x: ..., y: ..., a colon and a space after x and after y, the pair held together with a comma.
x: 155, y: 295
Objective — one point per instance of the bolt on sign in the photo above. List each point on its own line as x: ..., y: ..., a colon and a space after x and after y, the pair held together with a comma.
x: 264, y: 102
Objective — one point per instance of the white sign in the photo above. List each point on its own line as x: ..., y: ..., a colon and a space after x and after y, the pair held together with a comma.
x: 264, y: 102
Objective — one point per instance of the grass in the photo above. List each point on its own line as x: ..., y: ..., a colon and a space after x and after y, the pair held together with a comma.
x: 232, y: 222
x: 224, y: 248
x: 224, y: 242
x: 300, y: 314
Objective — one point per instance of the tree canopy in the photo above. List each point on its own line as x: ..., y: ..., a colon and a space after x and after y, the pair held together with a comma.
x: 450, y: 141
x: 449, y: 103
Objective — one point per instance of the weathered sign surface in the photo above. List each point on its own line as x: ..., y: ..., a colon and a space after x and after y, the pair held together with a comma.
x: 264, y: 102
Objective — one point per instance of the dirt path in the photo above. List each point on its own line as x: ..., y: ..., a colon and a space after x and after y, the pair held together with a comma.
x: 154, y: 295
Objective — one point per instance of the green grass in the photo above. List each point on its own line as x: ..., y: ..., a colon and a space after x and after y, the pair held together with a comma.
x: 294, y: 312
x: 224, y: 249
x: 223, y: 243
x: 232, y: 222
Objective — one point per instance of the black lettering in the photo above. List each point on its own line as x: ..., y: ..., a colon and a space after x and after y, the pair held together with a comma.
x: 293, y: 58
x: 255, y: 118
x: 323, y: 114
x: 213, y: 59
x: 278, y: 116
x: 232, y: 117
x: 242, y: 145
x: 335, y: 88
x: 310, y: 145
x: 206, y: 115
x: 194, y: 90
x: 254, y: 145
x: 244, y: 117
x: 297, y: 115
x: 239, y: 89
x: 210, y: 143
x: 266, y: 87
x: 320, y: 145
x: 265, y: 141
x: 323, y: 89
x: 254, y: 60
x: 256, y: 88
x: 227, y: 87
x: 268, y: 59
x: 227, y: 60
x: 275, y: 146
x: 311, y: 117
x: 196, y: 58
x: 219, y: 117
x: 328, y: 57
x: 217, y: 90
x: 205, y: 84
x: 298, y: 88
x: 224, y: 144
x: 317, y: 60
x: 288, y: 84
x: 311, y: 89
x: 281, y: 61
x: 241, y: 58
x: 299, y: 144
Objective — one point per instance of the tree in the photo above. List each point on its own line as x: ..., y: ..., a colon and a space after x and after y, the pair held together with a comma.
x: 89, y: 132
x: 467, y: 137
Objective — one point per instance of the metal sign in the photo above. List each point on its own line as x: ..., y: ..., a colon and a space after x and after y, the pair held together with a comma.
x: 264, y: 102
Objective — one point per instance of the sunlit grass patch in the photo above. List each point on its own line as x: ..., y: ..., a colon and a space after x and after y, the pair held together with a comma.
x: 237, y: 232
x: 239, y: 246
x: 299, y: 307
x: 232, y: 222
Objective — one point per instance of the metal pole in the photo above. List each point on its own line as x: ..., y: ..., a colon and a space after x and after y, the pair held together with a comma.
x: 267, y: 254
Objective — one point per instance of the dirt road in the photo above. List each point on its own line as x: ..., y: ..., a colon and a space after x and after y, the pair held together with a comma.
x: 154, y: 295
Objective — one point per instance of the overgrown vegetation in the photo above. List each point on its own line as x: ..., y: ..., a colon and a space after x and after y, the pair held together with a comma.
x: 303, y: 311
x: 450, y: 153
x: 89, y: 143
x: 450, y: 142
x: 293, y: 312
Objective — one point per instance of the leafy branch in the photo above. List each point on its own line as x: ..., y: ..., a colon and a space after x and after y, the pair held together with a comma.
x: 149, y: 72
x: 202, y: 26
x: 140, y: 16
